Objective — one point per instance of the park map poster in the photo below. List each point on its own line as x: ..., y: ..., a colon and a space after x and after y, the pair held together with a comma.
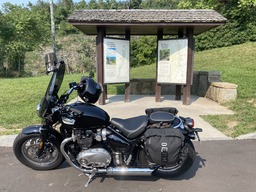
x: 116, y: 60
x: 172, y: 61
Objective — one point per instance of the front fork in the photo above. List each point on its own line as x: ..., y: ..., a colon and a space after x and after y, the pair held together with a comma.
x: 43, y: 138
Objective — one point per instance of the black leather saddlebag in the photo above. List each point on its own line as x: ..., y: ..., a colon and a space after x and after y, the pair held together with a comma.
x: 164, y: 145
x: 172, y: 110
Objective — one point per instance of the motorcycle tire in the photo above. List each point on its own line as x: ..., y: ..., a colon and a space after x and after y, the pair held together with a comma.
x: 25, y: 148
x: 186, y: 160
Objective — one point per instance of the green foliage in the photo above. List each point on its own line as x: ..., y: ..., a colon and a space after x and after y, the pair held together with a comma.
x: 199, y: 4
x: 143, y: 51
x: 135, y: 4
x: 239, y: 28
x: 88, y: 54
x: 247, y: 3
x: 159, y: 4
x: 23, y: 30
x: 26, y: 28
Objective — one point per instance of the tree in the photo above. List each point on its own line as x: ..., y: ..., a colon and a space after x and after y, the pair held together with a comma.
x: 240, y: 27
x: 93, y: 4
x: 81, y: 5
x: 143, y: 51
x: 135, y: 4
x: 68, y: 4
x: 247, y: 3
x: 26, y: 32
x: 159, y: 4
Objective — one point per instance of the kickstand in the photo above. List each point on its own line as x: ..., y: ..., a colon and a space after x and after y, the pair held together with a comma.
x: 90, y: 177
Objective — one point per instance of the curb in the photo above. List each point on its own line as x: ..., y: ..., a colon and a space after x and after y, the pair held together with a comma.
x: 246, y: 136
x: 7, y: 140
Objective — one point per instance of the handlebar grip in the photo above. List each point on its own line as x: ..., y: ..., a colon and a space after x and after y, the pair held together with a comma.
x: 198, y: 130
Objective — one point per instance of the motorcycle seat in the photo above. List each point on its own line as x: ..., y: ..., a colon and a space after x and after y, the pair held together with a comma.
x: 131, y: 127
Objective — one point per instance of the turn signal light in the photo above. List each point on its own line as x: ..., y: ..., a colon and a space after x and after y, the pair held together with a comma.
x: 190, y: 122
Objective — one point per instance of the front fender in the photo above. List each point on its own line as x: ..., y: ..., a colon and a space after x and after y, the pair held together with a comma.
x: 35, y: 129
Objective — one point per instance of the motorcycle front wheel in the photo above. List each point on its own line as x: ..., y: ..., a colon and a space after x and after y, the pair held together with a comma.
x: 26, y: 147
x: 186, y: 160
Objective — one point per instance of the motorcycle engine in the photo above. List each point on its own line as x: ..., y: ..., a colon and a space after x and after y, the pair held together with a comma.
x: 97, y: 157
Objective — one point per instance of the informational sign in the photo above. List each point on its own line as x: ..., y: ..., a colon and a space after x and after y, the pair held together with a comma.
x: 172, y: 61
x: 116, y: 60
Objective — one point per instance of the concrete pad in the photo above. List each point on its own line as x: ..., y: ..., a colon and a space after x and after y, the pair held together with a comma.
x: 116, y: 107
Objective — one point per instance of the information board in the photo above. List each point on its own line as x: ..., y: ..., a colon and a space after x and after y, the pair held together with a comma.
x: 116, y: 60
x: 172, y: 61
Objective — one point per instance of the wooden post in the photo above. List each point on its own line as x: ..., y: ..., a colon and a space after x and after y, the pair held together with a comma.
x: 158, y: 86
x: 100, y: 72
x: 186, y: 97
x: 127, y: 85
x: 178, y: 87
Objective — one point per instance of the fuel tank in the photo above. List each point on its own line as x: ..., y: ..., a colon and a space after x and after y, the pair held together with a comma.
x: 90, y: 116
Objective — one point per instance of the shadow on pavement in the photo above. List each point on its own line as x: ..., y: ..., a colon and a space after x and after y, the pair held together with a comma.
x: 198, y: 163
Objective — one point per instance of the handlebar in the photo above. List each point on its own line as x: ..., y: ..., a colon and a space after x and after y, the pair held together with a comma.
x: 73, y: 86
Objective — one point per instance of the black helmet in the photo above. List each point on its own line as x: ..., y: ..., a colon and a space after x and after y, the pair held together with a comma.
x: 89, y: 90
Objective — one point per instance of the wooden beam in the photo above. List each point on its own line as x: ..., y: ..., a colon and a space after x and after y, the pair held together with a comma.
x: 158, y: 86
x: 178, y: 87
x: 186, y: 97
x: 100, y: 72
x: 127, y: 85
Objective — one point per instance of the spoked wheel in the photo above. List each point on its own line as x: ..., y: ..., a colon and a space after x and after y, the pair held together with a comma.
x: 26, y: 147
x: 186, y: 160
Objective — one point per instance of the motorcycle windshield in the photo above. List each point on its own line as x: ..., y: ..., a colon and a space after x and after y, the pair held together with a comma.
x: 52, y: 89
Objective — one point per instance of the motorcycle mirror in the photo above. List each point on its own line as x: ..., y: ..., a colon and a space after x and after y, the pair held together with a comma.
x: 50, y: 62
x: 72, y: 84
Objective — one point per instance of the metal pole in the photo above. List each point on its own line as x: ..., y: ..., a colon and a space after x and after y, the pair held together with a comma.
x: 52, y: 27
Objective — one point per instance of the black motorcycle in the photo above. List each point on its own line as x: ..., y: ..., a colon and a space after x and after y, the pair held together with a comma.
x: 157, y: 143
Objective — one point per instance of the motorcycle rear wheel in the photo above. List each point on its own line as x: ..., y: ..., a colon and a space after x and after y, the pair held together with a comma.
x: 187, y: 158
x: 25, y: 148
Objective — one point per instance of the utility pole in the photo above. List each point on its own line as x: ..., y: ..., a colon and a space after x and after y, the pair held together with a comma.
x: 52, y: 27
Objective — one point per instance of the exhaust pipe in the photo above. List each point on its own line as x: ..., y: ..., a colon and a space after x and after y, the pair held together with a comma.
x: 113, y: 171
x: 129, y: 171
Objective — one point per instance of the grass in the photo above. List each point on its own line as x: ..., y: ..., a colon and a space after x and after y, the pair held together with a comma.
x: 237, y: 65
x: 19, y: 97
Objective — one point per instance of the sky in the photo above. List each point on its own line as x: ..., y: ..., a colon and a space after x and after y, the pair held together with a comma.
x: 20, y: 2
x: 25, y: 2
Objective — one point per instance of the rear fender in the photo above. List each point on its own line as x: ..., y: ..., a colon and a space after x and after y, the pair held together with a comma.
x: 35, y: 129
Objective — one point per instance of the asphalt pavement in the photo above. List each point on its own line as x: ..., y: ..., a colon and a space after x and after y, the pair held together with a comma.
x: 220, y: 166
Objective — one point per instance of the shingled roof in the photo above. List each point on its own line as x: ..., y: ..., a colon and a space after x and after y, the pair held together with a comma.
x: 145, y: 21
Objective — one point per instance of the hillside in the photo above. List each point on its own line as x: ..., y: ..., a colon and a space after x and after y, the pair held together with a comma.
x: 237, y: 65
x: 77, y: 50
